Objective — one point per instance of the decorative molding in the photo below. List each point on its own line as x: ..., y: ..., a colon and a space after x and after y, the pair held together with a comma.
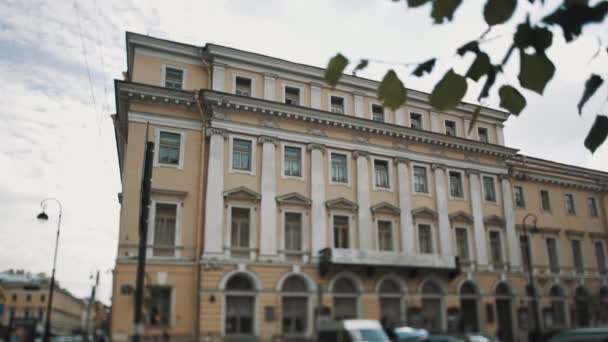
x: 316, y: 131
x: 399, y: 160
x: 341, y: 203
x: 527, y: 176
x: 573, y: 232
x: 471, y: 172
x: 549, y: 230
x: 471, y: 156
x: 357, y: 154
x: 215, y: 131
x: 360, y: 139
x: 385, y: 208
x: 438, y: 166
x: 267, y: 139
x: 243, y: 194
x: 461, y: 216
x: 400, y: 145
x: 425, y: 212
x: 169, y: 192
x: 268, y: 122
x: 438, y: 150
x: 294, y: 198
x: 494, y: 220
x: 598, y: 235
x: 319, y: 147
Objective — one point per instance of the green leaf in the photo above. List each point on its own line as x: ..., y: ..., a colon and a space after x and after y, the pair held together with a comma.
x: 391, y: 91
x: 416, y: 3
x: 444, y: 9
x: 535, y: 71
x: 597, y: 134
x: 474, y: 119
x: 481, y: 66
x: 472, y: 46
x: 334, y: 70
x: 498, y: 11
x: 362, y: 65
x: 485, y: 91
x: 448, y: 92
x: 592, y: 84
x: 511, y: 99
x: 573, y: 15
x: 537, y: 37
x: 425, y: 67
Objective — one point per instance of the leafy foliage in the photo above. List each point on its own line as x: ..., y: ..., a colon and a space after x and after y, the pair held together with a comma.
x: 448, y: 93
x: 391, y: 91
x: 572, y: 15
x: 362, y: 65
x: 535, y: 71
x: 597, y: 134
x: 481, y: 66
x: 335, y: 68
x: 498, y: 11
x: 416, y: 3
x: 592, y: 84
x: 511, y: 99
x: 444, y: 10
x: 425, y: 67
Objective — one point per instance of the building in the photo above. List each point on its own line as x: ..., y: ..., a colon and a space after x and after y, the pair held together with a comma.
x: 26, y: 298
x: 277, y: 201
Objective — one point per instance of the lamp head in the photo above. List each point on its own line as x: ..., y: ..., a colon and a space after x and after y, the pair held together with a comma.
x: 42, y: 216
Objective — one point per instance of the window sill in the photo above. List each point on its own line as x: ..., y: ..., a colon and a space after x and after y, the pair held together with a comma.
x: 379, y: 188
x: 170, y: 166
x: 297, y: 178
x: 452, y: 198
x: 346, y: 184
x: 427, y: 194
x: 242, y: 172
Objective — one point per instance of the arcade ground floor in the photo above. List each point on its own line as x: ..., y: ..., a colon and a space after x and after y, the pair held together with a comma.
x: 274, y: 301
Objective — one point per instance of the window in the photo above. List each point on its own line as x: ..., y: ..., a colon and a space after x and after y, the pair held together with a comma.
x: 292, y: 96
x: 489, y: 189
x: 425, y: 239
x: 339, y: 168
x: 600, y: 256
x: 336, y: 104
x: 450, y: 128
x: 294, y: 308
x: 577, y: 256
x: 592, y: 206
x: 377, y: 113
x: 420, y: 180
x: 552, y: 255
x: 341, y: 231
x: 345, y: 299
x: 545, y: 200
x: 482, y: 133
x: 416, y: 120
x: 174, y: 78
x: 239, y: 234
x: 570, y: 208
x: 293, y: 161
x: 293, y: 231
x: 456, y: 188
x: 241, y: 154
x: 390, y: 294
x: 524, y: 245
x: 28, y: 297
x: 462, y: 243
x: 168, y: 148
x: 495, y: 247
x: 243, y: 86
x: 158, y: 306
x: 40, y: 314
x: 26, y: 313
x: 42, y: 298
x: 165, y: 221
x: 381, y: 173
x: 14, y: 297
x: 385, y: 236
x: 12, y: 314
x: 239, y: 306
x: 518, y: 194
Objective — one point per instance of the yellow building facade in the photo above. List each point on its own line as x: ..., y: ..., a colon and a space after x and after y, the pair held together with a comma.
x: 278, y: 201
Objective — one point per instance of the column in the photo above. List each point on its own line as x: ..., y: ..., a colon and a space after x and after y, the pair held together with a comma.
x: 500, y: 137
x: 214, y: 198
x: 481, y: 250
x: 405, y: 204
x: 441, y: 197
x: 435, y: 124
x: 219, y: 77
x: 512, y: 239
x: 400, y: 117
x: 315, y: 95
x: 363, y: 200
x: 268, y: 204
x: 270, y: 87
x: 359, y: 108
x: 318, y: 222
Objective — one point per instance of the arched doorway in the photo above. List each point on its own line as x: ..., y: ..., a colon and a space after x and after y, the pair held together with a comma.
x: 469, y: 304
x: 558, y: 307
x: 432, y: 306
x: 504, y: 315
x: 346, y: 298
x: 240, y: 306
x: 603, y: 306
x: 581, y: 304
x: 391, y: 302
x: 294, y: 306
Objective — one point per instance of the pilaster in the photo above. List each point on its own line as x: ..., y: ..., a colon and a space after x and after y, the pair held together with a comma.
x: 363, y: 199
x: 359, y: 107
x: 317, y: 193
x: 214, y: 198
x: 268, y: 205
x: 478, y: 225
x: 509, y: 214
x: 219, y: 77
x: 405, y: 205
x: 441, y: 197
x: 435, y: 124
x: 270, y: 87
x: 315, y: 95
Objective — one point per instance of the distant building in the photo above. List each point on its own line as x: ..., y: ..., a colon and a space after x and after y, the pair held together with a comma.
x: 271, y: 188
x: 26, y: 301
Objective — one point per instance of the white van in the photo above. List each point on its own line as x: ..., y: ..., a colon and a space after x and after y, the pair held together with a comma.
x: 352, y: 330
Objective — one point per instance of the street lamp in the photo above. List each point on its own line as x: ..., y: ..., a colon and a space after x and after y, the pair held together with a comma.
x: 44, y: 217
x: 532, y: 289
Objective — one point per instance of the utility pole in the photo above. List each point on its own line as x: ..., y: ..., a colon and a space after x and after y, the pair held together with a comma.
x: 91, y: 306
x: 144, y: 209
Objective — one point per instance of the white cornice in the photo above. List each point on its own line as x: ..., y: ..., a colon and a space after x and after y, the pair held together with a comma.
x: 134, y: 39
x: 168, y: 56
x: 164, y: 120
x: 535, y: 177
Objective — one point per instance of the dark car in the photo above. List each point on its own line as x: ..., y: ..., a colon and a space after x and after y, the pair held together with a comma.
x: 584, y: 334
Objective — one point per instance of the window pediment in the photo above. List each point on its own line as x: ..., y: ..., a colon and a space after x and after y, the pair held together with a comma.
x: 243, y: 194
x: 341, y: 203
x: 461, y: 216
x: 424, y: 212
x: 385, y: 208
x: 494, y: 220
x: 294, y: 198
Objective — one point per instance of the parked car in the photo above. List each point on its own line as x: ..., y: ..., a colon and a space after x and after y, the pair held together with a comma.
x: 355, y: 330
x: 583, y: 334
x: 443, y: 338
x: 410, y: 334
x: 478, y: 337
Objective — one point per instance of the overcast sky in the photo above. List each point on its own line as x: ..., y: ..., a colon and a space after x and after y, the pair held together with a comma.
x: 58, y: 60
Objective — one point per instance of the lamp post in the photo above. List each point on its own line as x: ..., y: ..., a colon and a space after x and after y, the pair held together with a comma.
x: 527, y: 232
x: 44, y: 217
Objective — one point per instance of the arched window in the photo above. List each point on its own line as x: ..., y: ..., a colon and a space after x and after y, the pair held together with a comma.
x: 469, y: 314
x: 346, y: 298
x: 502, y: 290
x: 391, y: 307
x: 558, y: 306
x: 504, y: 303
x: 432, y: 306
x: 294, y: 305
x: 240, y: 304
x: 582, y: 312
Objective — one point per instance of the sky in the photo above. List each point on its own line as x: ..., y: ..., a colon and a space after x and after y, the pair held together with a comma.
x: 58, y: 60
